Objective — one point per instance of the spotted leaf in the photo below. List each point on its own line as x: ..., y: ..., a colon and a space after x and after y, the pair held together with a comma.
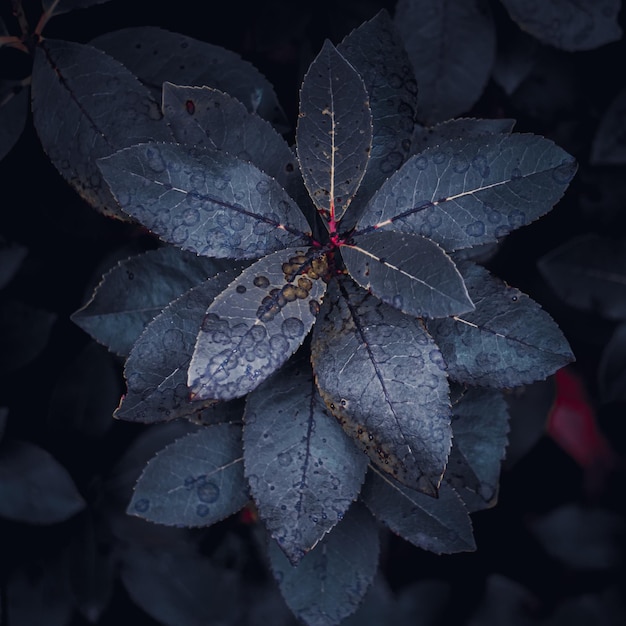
x: 472, y: 191
x: 408, y: 272
x: 195, y: 481
x: 441, y: 525
x: 205, y: 201
x: 257, y: 323
x: 334, y: 133
x: 508, y: 340
x: 383, y: 377
x: 303, y: 470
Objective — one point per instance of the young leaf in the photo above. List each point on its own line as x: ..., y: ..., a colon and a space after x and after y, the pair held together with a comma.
x: 408, y: 272
x: 375, y: 50
x: 609, y: 145
x: 441, y: 525
x: 131, y: 294
x: 87, y: 105
x: 452, y: 46
x: 34, y: 486
x: 256, y: 324
x: 383, y: 377
x: 589, y: 273
x: 156, y: 368
x: 156, y: 55
x: 330, y: 581
x: 14, y: 99
x: 303, y: 470
x: 195, y: 481
x: 334, y: 133
x: 205, y: 201
x: 479, y: 428
x: 507, y: 341
x: 471, y: 191
x: 568, y: 24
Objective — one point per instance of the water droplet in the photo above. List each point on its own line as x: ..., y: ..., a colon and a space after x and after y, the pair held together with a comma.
x: 292, y: 327
x: 261, y: 281
x: 284, y: 459
x: 516, y: 173
x: 398, y: 301
x: 208, y: 492
x: 475, y: 229
x: 263, y: 187
x: 241, y: 289
x: 141, y: 506
x: 202, y: 510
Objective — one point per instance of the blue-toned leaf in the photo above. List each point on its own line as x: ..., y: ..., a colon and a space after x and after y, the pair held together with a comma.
x: 508, y: 340
x: 205, y: 201
x: 34, y: 486
x: 303, y: 470
x: 330, y: 582
x: 14, y: 99
x: 136, y: 290
x: 375, y: 50
x: 568, y: 24
x: 87, y: 105
x: 408, y: 272
x: 472, y: 191
x: 195, y: 481
x: 516, y: 57
x: 57, y: 7
x: 609, y: 143
x: 383, y: 377
x: 156, y: 368
x: 452, y: 46
x: 479, y: 437
x: 334, y: 133
x: 156, y: 55
x: 256, y: 324
x: 441, y: 525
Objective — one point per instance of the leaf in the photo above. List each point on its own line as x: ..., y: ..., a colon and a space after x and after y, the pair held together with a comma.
x: 508, y: 340
x: 195, y: 481
x: 256, y: 324
x: 204, y: 201
x: 452, y: 47
x: 516, y: 57
x: 11, y: 257
x: 461, y: 128
x: 303, y: 470
x: 609, y: 142
x: 156, y: 55
x: 440, y: 525
x: 376, y: 51
x: 472, y: 191
x: 34, y: 487
x: 177, y: 589
x: 330, y: 581
x: 24, y: 333
x: 207, y: 117
x: 378, y: 607
x: 87, y: 105
x: 383, y: 377
x: 334, y: 133
x: 14, y: 99
x: 480, y: 423
x: 57, y: 7
x: 4, y: 413
x: 612, y: 368
x: 589, y: 273
x: 568, y: 24
x: 135, y: 291
x: 408, y: 272
x: 156, y: 368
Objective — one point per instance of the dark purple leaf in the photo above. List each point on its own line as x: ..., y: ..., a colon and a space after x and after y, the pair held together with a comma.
x: 612, y: 368
x: 256, y: 324
x: 14, y: 99
x: 205, y: 201
x: 568, y: 24
x: 479, y: 437
x: 34, y: 487
x: 87, y: 105
x: 508, y: 340
x: 383, y: 377
x: 303, y: 470
x: 471, y: 191
x: 330, y: 582
x: 375, y: 50
x: 334, y: 133
x: 452, y: 46
x: 57, y: 7
x: 408, y: 272
x: 136, y: 290
x: 195, y: 481
x: 156, y: 368
x: 589, y: 273
x: 609, y: 143
x: 156, y: 56
x: 441, y: 525
x: 11, y: 257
